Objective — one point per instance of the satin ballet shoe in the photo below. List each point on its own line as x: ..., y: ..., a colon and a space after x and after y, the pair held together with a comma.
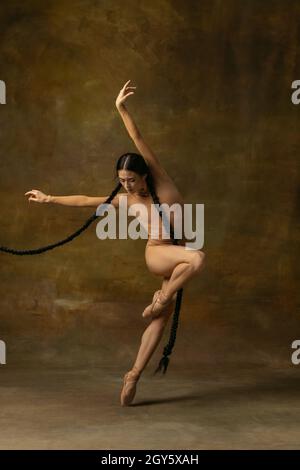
x: 158, y: 306
x: 129, y: 387
x: 161, y: 304
x: 147, y: 312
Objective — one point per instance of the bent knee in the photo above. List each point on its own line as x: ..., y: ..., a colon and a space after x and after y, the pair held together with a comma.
x: 198, y: 261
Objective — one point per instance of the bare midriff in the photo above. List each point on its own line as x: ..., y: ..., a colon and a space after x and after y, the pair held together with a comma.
x: 157, y: 239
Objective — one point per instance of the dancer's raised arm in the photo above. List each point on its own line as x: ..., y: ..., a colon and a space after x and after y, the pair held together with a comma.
x: 157, y: 170
x: 74, y: 200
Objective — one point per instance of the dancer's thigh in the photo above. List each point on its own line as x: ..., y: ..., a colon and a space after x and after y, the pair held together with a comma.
x: 162, y: 259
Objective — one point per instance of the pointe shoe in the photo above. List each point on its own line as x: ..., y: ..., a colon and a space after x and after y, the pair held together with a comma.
x: 147, y: 313
x: 129, y: 387
x: 159, y: 304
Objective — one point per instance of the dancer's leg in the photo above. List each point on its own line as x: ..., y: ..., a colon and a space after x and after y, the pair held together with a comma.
x: 176, y: 266
x: 150, y: 339
x: 176, y: 263
x: 181, y: 274
x: 152, y: 336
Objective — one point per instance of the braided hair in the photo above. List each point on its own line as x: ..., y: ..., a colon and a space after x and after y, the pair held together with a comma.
x: 71, y: 237
x: 135, y: 162
x: 132, y: 162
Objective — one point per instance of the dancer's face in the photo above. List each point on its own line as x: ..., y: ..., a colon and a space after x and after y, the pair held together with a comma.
x: 132, y: 182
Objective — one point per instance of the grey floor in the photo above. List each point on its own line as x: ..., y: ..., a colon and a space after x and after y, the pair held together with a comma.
x: 207, y: 407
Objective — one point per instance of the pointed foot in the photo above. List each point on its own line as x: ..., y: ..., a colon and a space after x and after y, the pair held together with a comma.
x: 147, y: 313
x: 159, y: 305
x: 129, y: 387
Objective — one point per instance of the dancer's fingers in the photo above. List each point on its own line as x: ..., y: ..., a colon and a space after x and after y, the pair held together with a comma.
x: 125, y: 97
x: 126, y: 84
x: 131, y: 93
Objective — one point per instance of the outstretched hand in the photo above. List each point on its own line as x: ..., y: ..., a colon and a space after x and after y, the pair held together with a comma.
x: 124, y: 93
x: 37, y: 196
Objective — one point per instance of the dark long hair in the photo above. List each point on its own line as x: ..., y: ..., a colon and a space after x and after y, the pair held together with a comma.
x: 132, y: 162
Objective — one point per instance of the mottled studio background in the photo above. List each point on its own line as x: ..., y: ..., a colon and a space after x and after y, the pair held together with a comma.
x: 214, y: 101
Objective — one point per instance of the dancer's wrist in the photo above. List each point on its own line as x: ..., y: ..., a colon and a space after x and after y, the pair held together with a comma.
x: 49, y: 198
x: 120, y: 107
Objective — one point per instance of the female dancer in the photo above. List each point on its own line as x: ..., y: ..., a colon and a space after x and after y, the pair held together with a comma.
x: 145, y: 180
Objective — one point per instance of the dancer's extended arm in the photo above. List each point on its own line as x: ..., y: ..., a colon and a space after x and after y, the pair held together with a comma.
x: 157, y: 170
x: 74, y: 200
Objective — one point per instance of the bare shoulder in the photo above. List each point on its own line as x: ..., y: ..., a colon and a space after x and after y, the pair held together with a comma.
x: 116, y: 200
x: 167, y: 191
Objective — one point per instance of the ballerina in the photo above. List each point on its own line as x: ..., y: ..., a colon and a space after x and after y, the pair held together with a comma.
x: 174, y: 264
x: 145, y: 181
